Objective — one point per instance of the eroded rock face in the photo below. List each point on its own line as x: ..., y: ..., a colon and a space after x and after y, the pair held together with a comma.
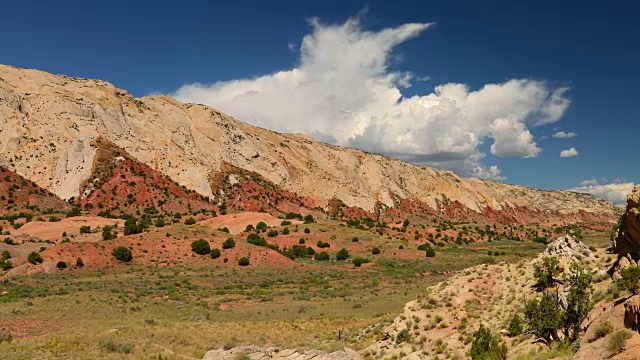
x: 632, y: 313
x: 568, y: 248
x: 48, y: 123
x: 260, y: 353
x: 627, y: 243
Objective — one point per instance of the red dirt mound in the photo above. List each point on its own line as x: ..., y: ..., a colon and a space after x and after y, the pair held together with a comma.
x: 18, y: 194
x: 120, y: 184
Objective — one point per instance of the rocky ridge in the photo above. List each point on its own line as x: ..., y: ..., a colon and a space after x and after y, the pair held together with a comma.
x: 49, y: 122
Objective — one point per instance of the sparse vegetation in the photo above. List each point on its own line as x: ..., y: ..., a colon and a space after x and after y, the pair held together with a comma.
x: 122, y: 253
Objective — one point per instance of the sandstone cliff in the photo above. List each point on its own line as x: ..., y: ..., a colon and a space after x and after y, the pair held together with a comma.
x: 49, y: 122
x: 627, y: 242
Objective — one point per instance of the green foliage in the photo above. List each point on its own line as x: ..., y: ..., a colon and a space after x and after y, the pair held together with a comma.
x: 122, y: 253
x: 578, y: 300
x: 75, y: 211
x: 160, y: 222
x: 298, y: 251
x: 131, y: 226
x: 107, y: 233
x: 229, y: 243
x: 541, y: 240
x: 430, y: 252
x: 34, y: 258
x: 215, y: 253
x: 285, y: 223
x: 403, y: 336
x: 629, y: 279
x: 244, y: 261
x: 307, y: 230
x: 359, y: 261
x: 6, y: 255
x: 85, y: 229
x: 190, y: 221
x: 343, y: 254
x: 617, y: 341
x: 322, y: 256
x: 321, y: 244
x: 257, y: 240
x: 285, y: 231
x: 61, y: 265
x: 5, y: 264
x: 486, y: 346
x: 309, y: 219
x: 545, y: 272
x: 249, y: 228
x: 79, y: 262
x: 201, y: 247
x: 601, y: 330
x: 355, y: 239
x: 262, y: 226
x: 543, y: 317
x: 301, y: 241
x: 375, y: 251
x: 516, y: 326
x: 271, y: 233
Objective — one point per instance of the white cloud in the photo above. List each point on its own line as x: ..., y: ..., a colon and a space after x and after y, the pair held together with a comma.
x: 569, y: 153
x: 589, y: 182
x: 564, y: 135
x: 492, y: 173
x: 616, y: 192
x: 343, y: 92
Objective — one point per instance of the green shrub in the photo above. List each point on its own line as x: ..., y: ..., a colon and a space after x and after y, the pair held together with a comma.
x: 403, y: 336
x: 215, y: 253
x: 617, y: 341
x: 61, y: 265
x: 6, y: 255
x: 285, y: 231
x: 545, y: 272
x: 309, y: 219
x: 355, y: 239
x: 160, y: 222
x: 601, y: 330
x: 75, y: 211
x: 79, y: 262
x: 201, y: 247
x: 5, y: 264
x: 307, y: 230
x: 430, y: 252
x: 122, y: 253
x: 322, y: 256
x: 375, y: 251
x: 359, y: 261
x: 107, y: 233
x: 515, y: 327
x: 486, y: 346
x: 34, y: 258
x: 244, y: 261
x: 256, y: 239
x: 262, y: 226
x: 229, y: 244
x: 301, y: 241
x: 85, y: 229
x: 629, y: 279
x: 249, y: 228
x: 271, y: 233
x: 343, y: 254
x: 285, y: 223
x: 190, y: 221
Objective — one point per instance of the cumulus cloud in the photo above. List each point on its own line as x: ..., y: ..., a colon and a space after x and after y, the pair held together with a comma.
x: 569, y: 153
x: 589, y: 182
x: 344, y: 92
x: 564, y: 135
x: 614, y: 192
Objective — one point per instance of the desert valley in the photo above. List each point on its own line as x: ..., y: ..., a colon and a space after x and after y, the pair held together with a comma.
x: 151, y: 229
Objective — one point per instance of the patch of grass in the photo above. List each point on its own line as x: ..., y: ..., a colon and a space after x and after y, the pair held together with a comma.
x: 617, y: 341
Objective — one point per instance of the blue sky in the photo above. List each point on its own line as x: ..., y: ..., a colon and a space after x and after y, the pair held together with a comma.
x: 585, y: 53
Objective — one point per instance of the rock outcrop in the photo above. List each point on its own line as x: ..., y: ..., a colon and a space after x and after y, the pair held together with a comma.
x: 632, y: 313
x: 627, y: 243
x: 568, y: 248
x: 48, y: 124
x: 260, y: 353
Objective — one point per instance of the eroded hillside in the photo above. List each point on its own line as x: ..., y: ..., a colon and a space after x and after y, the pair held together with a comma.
x: 48, y: 124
